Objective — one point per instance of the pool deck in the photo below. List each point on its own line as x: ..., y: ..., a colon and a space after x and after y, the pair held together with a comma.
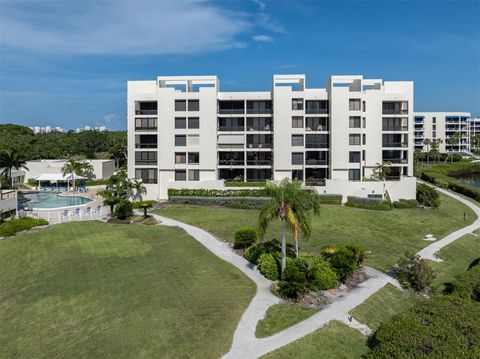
x: 56, y: 215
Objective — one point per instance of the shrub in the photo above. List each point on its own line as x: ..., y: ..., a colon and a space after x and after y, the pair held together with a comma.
x: 427, y: 196
x: 327, y: 251
x: 118, y: 221
x: 376, y: 204
x: 358, y: 252
x: 11, y: 227
x: 136, y: 219
x: 235, y: 202
x: 318, y: 273
x: 272, y: 247
x: 252, y: 253
x: 465, y: 285
x: 149, y: 221
x: 244, y: 237
x: 343, y: 263
x: 405, y: 203
x: 268, y: 266
x: 95, y: 182
x: 140, y: 204
x: 414, y: 273
x: 292, y: 285
x: 123, y: 210
x: 185, y: 192
x: 330, y: 198
x: 244, y: 184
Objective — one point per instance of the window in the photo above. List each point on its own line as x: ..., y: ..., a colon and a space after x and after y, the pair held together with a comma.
x: 193, y: 158
x: 297, y: 103
x: 354, y: 175
x: 395, y: 124
x: 297, y: 140
x: 230, y: 124
x: 180, y: 105
x: 297, y: 175
x: 145, y: 124
x: 259, y: 124
x: 180, y: 175
x: 316, y: 124
x: 364, y: 106
x: 297, y: 122
x: 147, y: 175
x: 434, y: 127
x: 180, y: 157
x: 145, y: 141
x: 259, y: 141
x: 145, y: 158
x: 316, y: 141
x: 364, y: 155
x: 434, y: 119
x: 194, y: 175
x: 193, y: 140
x: 193, y: 105
x: 434, y: 134
x: 354, y: 140
x: 297, y: 158
x: 354, y: 157
x: 180, y: 122
x: 259, y: 106
x: 193, y: 122
x: 180, y: 140
x: 354, y: 104
x: 354, y: 122
x: 364, y: 139
x: 364, y: 122
x: 145, y: 107
x: 316, y: 106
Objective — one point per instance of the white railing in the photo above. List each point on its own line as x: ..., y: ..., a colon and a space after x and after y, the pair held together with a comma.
x: 66, y: 215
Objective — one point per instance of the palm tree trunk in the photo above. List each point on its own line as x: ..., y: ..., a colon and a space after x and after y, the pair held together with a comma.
x: 284, y: 246
x: 296, y: 248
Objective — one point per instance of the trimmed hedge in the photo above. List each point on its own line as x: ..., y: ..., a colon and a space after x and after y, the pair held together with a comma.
x: 244, y: 184
x: 232, y: 202
x: 244, y: 238
x: 268, y: 266
x: 11, y: 227
x: 376, y: 204
x: 330, y: 198
x: 405, y: 203
x: 427, y: 196
x: 186, y: 192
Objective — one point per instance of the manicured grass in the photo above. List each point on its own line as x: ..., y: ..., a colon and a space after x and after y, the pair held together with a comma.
x: 457, y: 256
x: 281, y: 316
x: 97, y: 290
x: 336, y: 340
x: 382, y: 306
x: 386, y: 234
x: 12, y: 226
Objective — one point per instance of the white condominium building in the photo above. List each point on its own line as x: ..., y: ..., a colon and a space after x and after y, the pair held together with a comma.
x: 442, y: 126
x: 183, y: 132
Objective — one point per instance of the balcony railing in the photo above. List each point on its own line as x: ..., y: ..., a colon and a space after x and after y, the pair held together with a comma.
x: 395, y: 144
x: 320, y: 111
x: 318, y: 128
x: 316, y: 145
x: 311, y: 161
x: 394, y: 112
x: 145, y: 112
x: 145, y: 145
x: 259, y: 162
x: 395, y: 128
x: 252, y: 111
x: 393, y: 178
x: 231, y: 162
x: 315, y: 182
x: 146, y: 162
x: 260, y: 128
x: 229, y: 111
x: 145, y: 129
x: 395, y: 160
x: 259, y: 145
x: 231, y: 128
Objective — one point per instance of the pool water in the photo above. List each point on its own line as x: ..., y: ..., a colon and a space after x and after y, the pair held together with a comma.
x: 53, y: 200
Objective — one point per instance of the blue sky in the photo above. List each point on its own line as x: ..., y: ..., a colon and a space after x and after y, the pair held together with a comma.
x: 66, y: 63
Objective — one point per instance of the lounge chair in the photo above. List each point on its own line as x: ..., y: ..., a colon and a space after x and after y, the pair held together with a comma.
x: 98, y: 210
x: 64, y: 215
x: 88, y: 211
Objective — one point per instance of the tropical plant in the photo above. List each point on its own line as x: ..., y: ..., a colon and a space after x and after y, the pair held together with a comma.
x: 74, y: 168
x: 268, y: 266
x: 124, y: 209
x: 244, y: 237
x: 427, y: 196
x: 119, y: 184
x: 110, y: 200
x: 10, y: 160
x: 453, y: 141
x: 292, y: 284
x: 382, y: 170
x: 139, y: 188
x: 414, y: 272
x: 434, y: 152
x: 427, y: 142
x: 293, y: 205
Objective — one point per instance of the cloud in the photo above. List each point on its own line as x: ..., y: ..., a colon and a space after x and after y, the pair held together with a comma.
x: 263, y: 38
x: 120, y: 27
x: 269, y: 23
x: 111, y: 117
x: 261, y: 4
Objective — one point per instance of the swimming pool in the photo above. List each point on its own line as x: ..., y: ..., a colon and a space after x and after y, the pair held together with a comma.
x: 49, y: 200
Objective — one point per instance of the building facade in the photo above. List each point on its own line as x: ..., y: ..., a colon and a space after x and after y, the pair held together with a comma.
x: 183, y: 132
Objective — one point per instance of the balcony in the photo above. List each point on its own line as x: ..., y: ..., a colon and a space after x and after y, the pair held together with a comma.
x: 316, y: 106
x: 146, y: 129
x: 259, y: 162
x: 231, y: 107
x: 145, y: 112
x: 395, y: 144
x: 145, y: 107
x: 395, y: 108
x: 314, y: 182
x: 231, y: 128
x: 315, y: 162
x: 146, y: 162
x: 396, y: 160
x: 395, y: 128
x: 231, y: 162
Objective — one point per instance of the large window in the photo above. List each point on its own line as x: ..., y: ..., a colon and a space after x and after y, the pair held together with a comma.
x: 259, y: 106
x: 354, y: 122
x: 316, y: 124
x: 395, y: 124
x: 193, y: 140
x: 231, y: 124
x: 297, y: 158
x: 145, y: 141
x: 297, y: 103
x: 145, y: 107
x: 193, y: 105
x: 259, y: 124
x: 395, y: 107
x: 354, y: 139
x: 193, y: 122
x: 145, y: 124
x: 180, y: 140
x: 146, y: 158
x: 147, y: 175
x: 316, y: 141
x: 354, y: 157
x: 259, y: 141
x: 297, y: 122
x: 297, y: 175
x: 180, y: 175
x: 180, y: 157
x: 194, y: 175
x: 180, y: 122
x: 193, y: 158
x: 316, y: 106
x: 354, y: 104
x: 354, y: 175
x: 297, y: 140
x: 180, y: 105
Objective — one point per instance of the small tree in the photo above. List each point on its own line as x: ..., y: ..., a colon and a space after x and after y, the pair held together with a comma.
x: 453, y: 141
x: 382, y: 170
x: 427, y: 196
x: 427, y: 142
x: 414, y: 273
x: 139, y: 188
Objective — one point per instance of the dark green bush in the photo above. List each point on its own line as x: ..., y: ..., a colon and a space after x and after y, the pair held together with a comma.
x: 10, y: 227
x: 318, y: 273
x: 466, y: 285
x: 95, y: 182
x: 376, y: 204
x: 292, y: 284
x: 414, y: 272
x: 273, y: 247
x: 427, y: 196
x: 252, y: 253
x: 185, y: 192
x: 405, y: 203
x: 330, y: 198
x: 343, y: 263
x: 244, y: 238
x: 267, y: 265
x: 123, y: 210
x: 234, y: 202
x: 244, y: 184
x: 358, y: 252
x: 149, y: 221
x: 140, y: 204
x: 441, y: 179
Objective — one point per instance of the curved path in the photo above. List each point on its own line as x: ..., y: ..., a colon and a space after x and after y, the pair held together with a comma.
x: 246, y: 345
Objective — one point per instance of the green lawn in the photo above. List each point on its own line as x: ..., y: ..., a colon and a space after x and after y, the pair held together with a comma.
x: 96, y: 290
x: 280, y: 317
x: 336, y: 340
x: 456, y: 258
x: 386, y: 234
x: 383, y: 305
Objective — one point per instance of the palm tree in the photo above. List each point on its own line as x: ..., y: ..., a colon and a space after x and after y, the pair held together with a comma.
x: 72, y: 168
x: 293, y: 205
x: 119, y: 184
x: 139, y: 189
x: 453, y: 141
x: 475, y: 141
x: 12, y: 160
x: 87, y: 169
x: 110, y: 200
x: 382, y: 170
x: 427, y: 142
x: 434, y: 151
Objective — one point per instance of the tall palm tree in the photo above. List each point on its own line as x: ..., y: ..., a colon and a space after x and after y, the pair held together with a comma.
x: 72, y: 168
x: 119, y: 184
x: 139, y: 189
x: 453, y: 141
x: 427, y: 142
x: 11, y: 160
x: 87, y: 169
x: 292, y: 205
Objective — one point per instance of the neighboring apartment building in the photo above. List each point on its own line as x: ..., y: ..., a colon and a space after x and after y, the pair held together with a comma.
x: 183, y: 132
x: 8, y: 203
x: 442, y: 126
x: 475, y: 133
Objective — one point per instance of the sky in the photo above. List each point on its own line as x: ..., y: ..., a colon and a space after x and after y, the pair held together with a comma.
x: 66, y: 63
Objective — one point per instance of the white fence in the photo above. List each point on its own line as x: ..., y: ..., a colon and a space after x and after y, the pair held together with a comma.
x: 78, y: 214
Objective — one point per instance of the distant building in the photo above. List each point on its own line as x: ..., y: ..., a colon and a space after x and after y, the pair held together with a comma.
x: 8, y: 203
x: 88, y: 128
x: 102, y: 169
x: 47, y: 129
